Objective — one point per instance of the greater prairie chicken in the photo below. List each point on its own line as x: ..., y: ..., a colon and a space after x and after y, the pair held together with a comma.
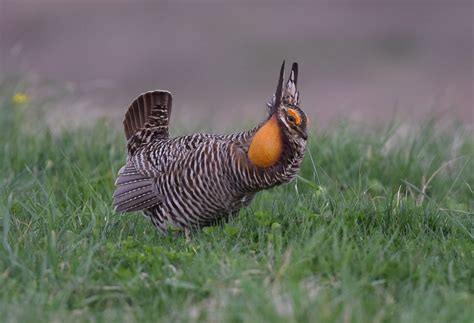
x: 196, y: 180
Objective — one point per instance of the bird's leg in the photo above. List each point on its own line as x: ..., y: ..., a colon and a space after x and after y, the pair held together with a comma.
x: 187, y: 234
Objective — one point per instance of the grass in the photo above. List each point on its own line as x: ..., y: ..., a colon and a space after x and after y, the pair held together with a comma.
x: 378, y: 228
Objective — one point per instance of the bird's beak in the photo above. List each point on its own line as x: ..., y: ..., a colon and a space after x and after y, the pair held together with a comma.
x: 304, y: 134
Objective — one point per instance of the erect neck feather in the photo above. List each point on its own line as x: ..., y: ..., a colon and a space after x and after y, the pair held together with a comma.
x: 266, y: 146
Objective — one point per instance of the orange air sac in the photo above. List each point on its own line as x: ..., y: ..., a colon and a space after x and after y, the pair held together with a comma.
x: 267, y: 145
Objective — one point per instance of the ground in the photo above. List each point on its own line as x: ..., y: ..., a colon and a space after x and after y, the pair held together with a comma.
x: 378, y: 227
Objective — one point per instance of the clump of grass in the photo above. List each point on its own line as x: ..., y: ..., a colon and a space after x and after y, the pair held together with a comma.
x: 378, y: 227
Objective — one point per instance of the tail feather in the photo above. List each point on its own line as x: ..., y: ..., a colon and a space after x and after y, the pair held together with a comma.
x: 135, y: 191
x: 150, y: 110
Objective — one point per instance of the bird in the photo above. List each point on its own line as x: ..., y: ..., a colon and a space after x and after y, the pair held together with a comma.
x: 193, y: 181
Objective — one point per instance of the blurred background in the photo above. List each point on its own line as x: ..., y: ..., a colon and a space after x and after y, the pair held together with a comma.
x: 369, y: 61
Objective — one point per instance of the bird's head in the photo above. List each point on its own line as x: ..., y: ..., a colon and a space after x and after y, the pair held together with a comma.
x: 285, y: 130
x: 285, y: 106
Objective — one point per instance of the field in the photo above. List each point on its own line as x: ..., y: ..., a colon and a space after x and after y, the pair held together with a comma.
x: 378, y: 227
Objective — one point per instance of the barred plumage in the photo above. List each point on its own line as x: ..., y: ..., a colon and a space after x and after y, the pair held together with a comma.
x: 193, y: 181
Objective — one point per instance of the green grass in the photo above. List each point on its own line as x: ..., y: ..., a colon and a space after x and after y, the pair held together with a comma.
x: 378, y: 228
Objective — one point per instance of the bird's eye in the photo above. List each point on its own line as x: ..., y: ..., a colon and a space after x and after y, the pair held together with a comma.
x: 293, y: 117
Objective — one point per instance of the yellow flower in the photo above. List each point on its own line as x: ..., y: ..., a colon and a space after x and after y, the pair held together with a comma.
x: 20, y: 98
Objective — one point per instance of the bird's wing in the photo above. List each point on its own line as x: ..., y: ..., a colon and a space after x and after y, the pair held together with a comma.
x: 138, y: 182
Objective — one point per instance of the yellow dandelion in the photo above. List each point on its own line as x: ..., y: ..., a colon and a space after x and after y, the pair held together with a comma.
x: 20, y: 98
